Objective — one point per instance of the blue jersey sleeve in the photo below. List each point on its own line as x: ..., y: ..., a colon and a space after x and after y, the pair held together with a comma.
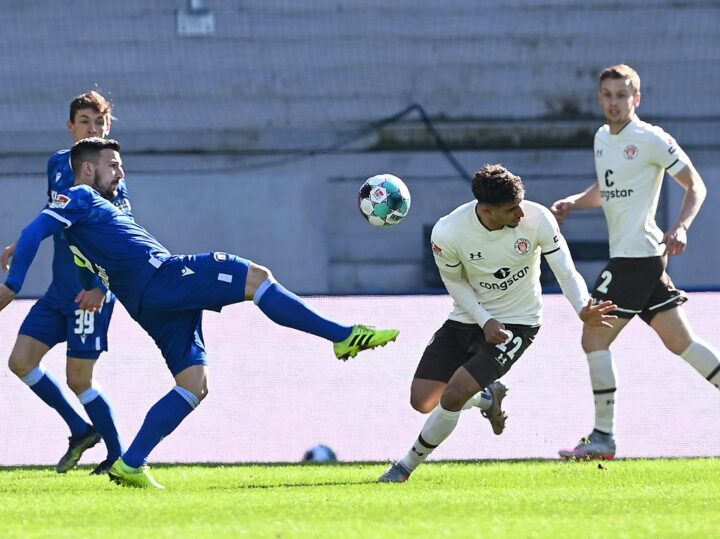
x: 27, y: 247
x: 71, y: 206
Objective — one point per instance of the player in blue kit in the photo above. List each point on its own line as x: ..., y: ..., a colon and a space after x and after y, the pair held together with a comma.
x: 56, y: 317
x: 164, y: 293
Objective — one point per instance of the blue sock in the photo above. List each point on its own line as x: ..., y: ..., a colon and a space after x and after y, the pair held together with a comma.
x: 285, y: 308
x: 45, y: 386
x: 103, y: 419
x: 163, y: 418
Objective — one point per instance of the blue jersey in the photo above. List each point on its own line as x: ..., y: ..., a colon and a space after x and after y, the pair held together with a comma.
x: 108, y: 242
x: 65, y: 280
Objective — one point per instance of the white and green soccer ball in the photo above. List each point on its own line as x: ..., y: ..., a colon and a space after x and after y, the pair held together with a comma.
x: 384, y: 200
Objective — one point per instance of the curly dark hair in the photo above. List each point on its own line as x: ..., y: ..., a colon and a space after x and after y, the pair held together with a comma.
x: 496, y: 185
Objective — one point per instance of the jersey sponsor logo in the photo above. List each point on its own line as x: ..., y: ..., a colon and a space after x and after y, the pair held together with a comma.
x: 436, y: 248
x: 630, y: 152
x: 507, y: 283
x: 522, y: 246
x: 84, y: 262
x: 608, y: 181
x: 607, y: 194
x: 123, y: 205
x: 59, y: 201
x: 186, y: 271
x: 502, y: 273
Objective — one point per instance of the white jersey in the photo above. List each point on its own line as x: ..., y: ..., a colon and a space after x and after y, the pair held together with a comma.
x: 502, y: 266
x: 630, y: 167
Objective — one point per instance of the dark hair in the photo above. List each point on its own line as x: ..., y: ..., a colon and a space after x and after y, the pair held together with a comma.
x: 496, y: 185
x: 621, y: 72
x: 88, y: 150
x: 90, y: 100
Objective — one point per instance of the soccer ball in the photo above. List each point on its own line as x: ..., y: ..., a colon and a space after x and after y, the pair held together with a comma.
x: 320, y: 453
x: 384, y: 200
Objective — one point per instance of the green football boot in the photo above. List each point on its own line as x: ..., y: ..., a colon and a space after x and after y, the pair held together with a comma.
x: 127, y: 476
x: 363, y: 338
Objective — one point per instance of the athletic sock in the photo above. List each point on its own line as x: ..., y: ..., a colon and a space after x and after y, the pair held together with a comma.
x: 704, y: 359
x: 437, y: 428
x: 482, y: 400
x: 44, y: 385
x: 603, y: 380
x: 285, y: 308
x: 163, y: 418
x: 103, y: 419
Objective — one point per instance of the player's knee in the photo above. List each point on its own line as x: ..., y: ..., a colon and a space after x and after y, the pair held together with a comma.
x: 423, y: 403
x: 78, y: 382
x: 677, y: 343
x: 453, y: 398
x: 256, y: 276
x: 20, y: 365
x: 198, y: 388
x: 590, y: 342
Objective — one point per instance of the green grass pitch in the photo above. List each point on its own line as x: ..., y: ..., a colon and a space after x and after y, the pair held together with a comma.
x: 676, y: 498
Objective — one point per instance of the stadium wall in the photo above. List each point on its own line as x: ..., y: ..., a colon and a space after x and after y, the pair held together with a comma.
x: 254, y: 138
x: 295, y: 74
x: 301, y: 220
x: 275, y: 392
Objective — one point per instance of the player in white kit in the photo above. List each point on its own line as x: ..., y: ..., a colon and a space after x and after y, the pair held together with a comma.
x: 488, y: 254
x: 631, y: 159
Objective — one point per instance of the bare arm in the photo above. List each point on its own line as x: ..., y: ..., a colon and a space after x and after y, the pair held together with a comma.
x: 675, y: 238
x: 7, y: 255
x: 590, y: 198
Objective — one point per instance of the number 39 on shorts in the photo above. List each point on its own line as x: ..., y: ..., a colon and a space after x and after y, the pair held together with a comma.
x: 84, y: 322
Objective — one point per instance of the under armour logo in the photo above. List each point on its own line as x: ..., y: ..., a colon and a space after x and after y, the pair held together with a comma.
x: 474, y: 256
x: 417, y: 452
x: 186, y: 271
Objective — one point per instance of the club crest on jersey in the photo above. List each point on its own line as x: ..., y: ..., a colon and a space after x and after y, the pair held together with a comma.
x: 630, y: 152
x: 59, y: 201
x: 436, y: 248
x: 522, y: 246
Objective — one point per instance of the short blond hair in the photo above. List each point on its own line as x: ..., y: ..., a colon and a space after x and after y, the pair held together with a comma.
x: 623, y: 72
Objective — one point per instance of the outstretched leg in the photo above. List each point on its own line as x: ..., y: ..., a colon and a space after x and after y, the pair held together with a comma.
x: 287, y: 309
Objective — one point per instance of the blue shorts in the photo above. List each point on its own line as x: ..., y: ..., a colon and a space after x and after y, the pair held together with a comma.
x: 173, y: 301
x: 85, y: 332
